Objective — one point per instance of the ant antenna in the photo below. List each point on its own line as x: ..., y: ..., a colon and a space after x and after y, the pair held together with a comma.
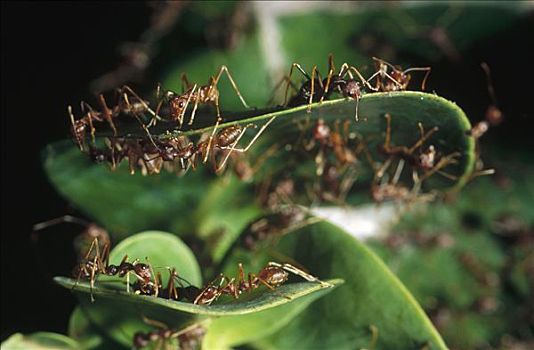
x: 60, y: 220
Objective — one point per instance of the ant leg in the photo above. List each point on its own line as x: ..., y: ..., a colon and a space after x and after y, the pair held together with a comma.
x: 421, y: 140
x: 241, y: 274
x: 374, y: 336
x: 298, y: 272
x: 189, y: 97
x: 72, y: 121
x: 94, y: 244
x: 362, y: 79
x: 285, y: 79
x: 310, y: 101
x: 387, y: 141
x: 216, y: 81
x: 443, y: 162
x: 154, y: 323
x: 108, y: 114
x: 331, y: 70
x: 398, y: 172
x: 142, y: 102
x: 356, y: 108
x: 136, y: 116
x: 289, y: 78
x: 266, y: 284
x: 384, y: 72
x: 262, y: 129
x: 212, y: 136
x: 60, y: 220
x: 185, y: 81
x: 424, y: 69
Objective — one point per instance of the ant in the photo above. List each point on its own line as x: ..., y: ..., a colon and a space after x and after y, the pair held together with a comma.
x: 425, y: 160
x: 284, y: 220
x: 176, y: 147
x: 392, y: 190
x: 204, y: 94
x: 171, y: 291
x: 398, y: 79
x: 90, y: 267
x: 271, y: 276
x: 227, y: 139
x: 79, y: 127
x: 493, y: 115
x: 188, y: 338
x: 317, y: 89
x: 333, y: 139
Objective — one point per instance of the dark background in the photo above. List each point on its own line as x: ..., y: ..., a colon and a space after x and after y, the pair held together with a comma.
x: 50, y: 54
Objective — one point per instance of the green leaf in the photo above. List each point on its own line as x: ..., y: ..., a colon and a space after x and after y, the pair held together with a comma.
x: 40, y: 341
x: 87, y: 334
x: 121, y: 202
x: 163, y: 249
x: 235, y: 330
x: 371, y: 297
x: 223, y: 213
x: 122, y: 325
x: 287, y: 293
x: 391, y: 32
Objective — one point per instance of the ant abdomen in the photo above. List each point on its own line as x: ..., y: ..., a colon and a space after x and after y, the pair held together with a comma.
x: 273, y: 275
x: 228, y: 135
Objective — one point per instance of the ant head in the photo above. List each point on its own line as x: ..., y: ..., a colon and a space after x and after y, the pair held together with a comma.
x: 208, y: 295
x: 321, y: 131
x: 352, y: 89
x: 178, y: 104
x: 427, y: 158
x: 169, y: 95
x: 143, y: 271
x: 401, y: 78
x: 96, y: 155
x: 140, y: 340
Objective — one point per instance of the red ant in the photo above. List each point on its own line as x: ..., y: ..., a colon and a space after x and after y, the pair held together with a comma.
x: 333, y: 139
x: 398, y: 79
x: 204, y: 94
x: 79, y: 127
x: 171, y: 291
x: 188, y: 338
x: 284, y: 220
x: 493, y: 115
x: 91, y: 267
x: 317, y: 89
x: 271, y: 276
x: 227, y: 139
x: 425, y: 161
